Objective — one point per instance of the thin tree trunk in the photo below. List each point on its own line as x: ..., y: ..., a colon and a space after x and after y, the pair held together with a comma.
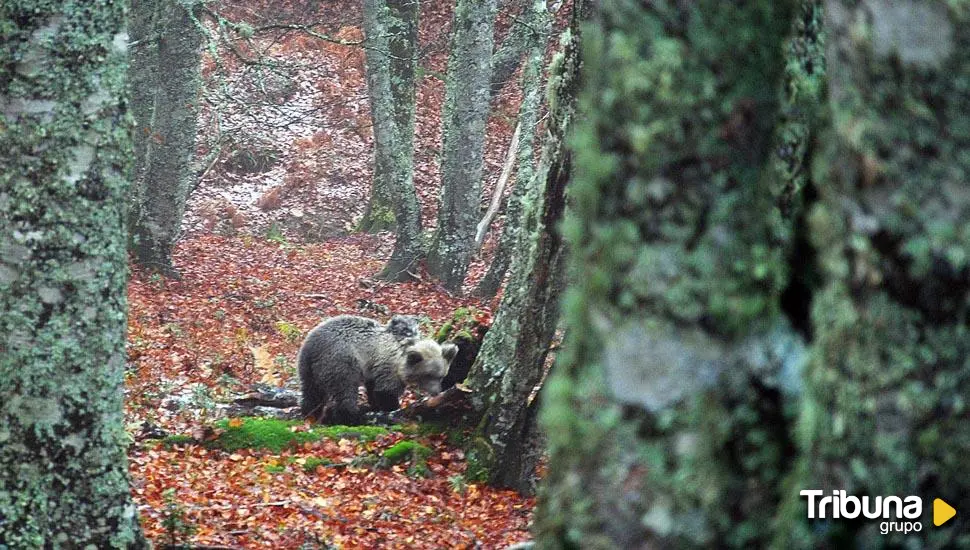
x: 391, y: 27
x: 513, y: 355
x: 464, y: 118
x: 65, y: 147
x: 165, y: 81
x: 528, y: 116
x: 503, y: 180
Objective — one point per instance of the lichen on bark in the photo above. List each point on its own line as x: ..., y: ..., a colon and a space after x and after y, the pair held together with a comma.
x: 391, y: 30
x: 165, y: 80
x: 463, y: 118
x: 65, y: 143
x: 679, y: 259
x: 758, y: 315
x: 889, y: 371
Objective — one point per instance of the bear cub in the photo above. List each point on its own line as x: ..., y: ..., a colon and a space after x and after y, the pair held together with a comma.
x: 346, y: 352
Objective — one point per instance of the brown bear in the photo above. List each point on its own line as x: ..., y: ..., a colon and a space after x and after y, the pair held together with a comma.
x: 346, y: 352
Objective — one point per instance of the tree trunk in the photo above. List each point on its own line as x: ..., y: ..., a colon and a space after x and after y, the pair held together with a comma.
x: 379, y: 213
x: 667, y: 416
x: 463, y: 118
x: 539, y: 25
x: 759, y: 317
x: 512, y: 359
x: 884, y: 410
x: 65, y: 148
x: 165, y: 80
x: 519, y: 40
x: 392, y: 32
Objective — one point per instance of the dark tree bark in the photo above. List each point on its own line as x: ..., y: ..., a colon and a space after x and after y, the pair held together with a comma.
x: 464, y: 115
x: 511, y: 362
x: 65, y: 146
x: 392, y: 32
x: 539, y: 23
x: 165, y: 80
x: 771, y: 291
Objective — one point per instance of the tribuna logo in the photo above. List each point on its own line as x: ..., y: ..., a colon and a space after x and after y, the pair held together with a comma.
x: 840, y: 505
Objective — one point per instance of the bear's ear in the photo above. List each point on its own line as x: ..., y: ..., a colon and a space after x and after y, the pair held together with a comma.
x: 448, y: 351
x: 414, y: 357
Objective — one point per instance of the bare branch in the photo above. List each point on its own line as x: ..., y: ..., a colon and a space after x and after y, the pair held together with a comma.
x: 499, y: 188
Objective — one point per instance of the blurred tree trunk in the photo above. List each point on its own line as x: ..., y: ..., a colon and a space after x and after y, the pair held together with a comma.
x: 539, y: 23
x: 774, y: 289
x: 65, y: 146
x: 463, y: 118
x: 164, y: 73
x: 391, y: 27
x: 668, y: 417
x: 513, y: 356
x: 886, y: 389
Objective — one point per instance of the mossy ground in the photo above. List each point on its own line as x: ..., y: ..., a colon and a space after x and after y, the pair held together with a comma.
x: 402, y: 450
x: 275, y: 435
x: 408, y: 450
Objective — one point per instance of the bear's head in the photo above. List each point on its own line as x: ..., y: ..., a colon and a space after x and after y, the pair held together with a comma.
x: 426, y: 363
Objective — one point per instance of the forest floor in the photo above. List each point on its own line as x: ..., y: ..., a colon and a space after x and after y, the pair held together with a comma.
x: 268, y: 252
x: 237, y: 318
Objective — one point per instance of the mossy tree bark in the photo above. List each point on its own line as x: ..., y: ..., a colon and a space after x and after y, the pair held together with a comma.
x: 65, y: 145
x: 464, y: 117
x: 667, y: 418
x: 165, y: 81
x: 539, y: 23
x: 774, y: 287
x: 885, y: 404
x: 391, y: 27
x: 511, y: 362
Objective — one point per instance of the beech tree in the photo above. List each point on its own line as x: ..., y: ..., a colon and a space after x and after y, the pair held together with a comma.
x: 463, y: 118
x: 65, y: 145
x: 770, y: 284
x: 508, y: 55
x: 535, y: 37
x: 391, y: 27
x: 511, y: 361
x: 166, y: 48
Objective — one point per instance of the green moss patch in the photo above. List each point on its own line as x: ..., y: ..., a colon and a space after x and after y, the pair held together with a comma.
x: 411, y: 451
x: 479, y: 455
x: 465, y: 323
x: 405, y: 450
x: 261, y: 433
x: 274, y: 468
x: 275, y: 435
x: 362, y: 433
